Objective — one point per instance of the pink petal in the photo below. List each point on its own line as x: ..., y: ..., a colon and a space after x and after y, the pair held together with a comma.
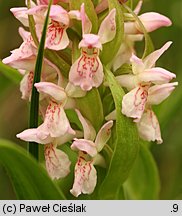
x: 133, y: 104
x: 51, y: 89
x: 86, y: 24
x: 153, y: 21
x: 30, y: 135
x: 137, y: 64
x: 149, y: 128
x: 56, y: 122
x: 57, y: 162
x: 107, y: 29
x: 87, y: 72
x: 21, y: 14
x: 138, y: 7
x: 85, y: 177
x: 156, y: 75
x: 151, y: 59
x: 103, y: 135
x: 128, y: 81
x: 59, y: 14
x: 89, y: 131
x: 26, y: 85
x: 159, y: 93
x: 85, y: 146
x: 90, y: 41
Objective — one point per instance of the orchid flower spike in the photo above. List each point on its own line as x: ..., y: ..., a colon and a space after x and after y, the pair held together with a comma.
x: 151, y: 21
x: 85, y: 173
x: 87, y: 71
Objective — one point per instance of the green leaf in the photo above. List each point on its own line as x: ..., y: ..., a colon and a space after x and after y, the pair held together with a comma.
x: 11, y: 73
x: 126, y: 146
x: 148, y: 42
x: 143, y: 182
x: 110, y: 49
x: 29, y: 179
x: 90, y: 11
x: 91, y: 108
x: 34, y: 106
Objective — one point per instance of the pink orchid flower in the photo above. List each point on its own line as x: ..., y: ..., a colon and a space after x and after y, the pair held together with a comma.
x: 139, y: 83
x: 85, y: 173
x: 24, y: 59
x: 87, y: 71
x: 148, y: 126
x: 57, y: 38
x: 55, y: 123
x: 150, y: 20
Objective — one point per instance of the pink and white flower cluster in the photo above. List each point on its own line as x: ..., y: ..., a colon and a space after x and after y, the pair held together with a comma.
x: 147, y: 85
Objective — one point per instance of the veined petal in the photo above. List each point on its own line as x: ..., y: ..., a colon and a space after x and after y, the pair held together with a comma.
x: 57, y: 162
x: 156, y: 75
x: 85, y: 177
x: 151, y: 59
x: 137, y: 64
x: 107, y: 29
x: 149, y: 128
x: 103, y: 135
x: 159, y: 93
x: 87, y: 72
x: 57, y: 38
x: 21, y: 14
x: 128, y: 81
x: 89, y: 131
x: 86, y: 23
x: 26, y: 85
x: 53, y: 90
x: 30, y: 135
x: 85, y: 146
x: 133, y: 104
x: 56, y: 121
x: 153, y: 21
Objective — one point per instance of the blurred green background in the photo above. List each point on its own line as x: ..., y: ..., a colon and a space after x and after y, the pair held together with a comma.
x: 13, y: 111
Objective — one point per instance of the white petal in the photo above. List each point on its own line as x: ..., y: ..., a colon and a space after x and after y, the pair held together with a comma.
x: 159, y: 93
x: 57, y: 162
x: 21, y: 14
x: 86, y: 23
x: 103, y: 135
x: 151, y: 59
x: 156, y: 75
x: 127, y: 80
x: 51, y: 89
x: 85, y: 146
x: 89, y: 131
x: 137, y: 64
x: 107, y: 29
x: 30, y: 135
x: 149, y: 128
